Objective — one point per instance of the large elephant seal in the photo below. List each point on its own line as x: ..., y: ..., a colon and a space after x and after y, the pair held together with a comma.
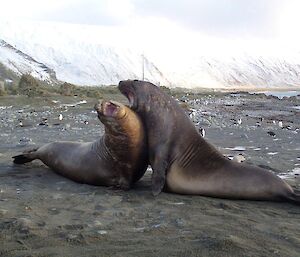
x: 119, y: 158
x: 183, y: 162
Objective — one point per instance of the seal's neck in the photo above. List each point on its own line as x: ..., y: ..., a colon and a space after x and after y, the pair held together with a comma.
x: 198, y: 151
x: 110, y: 148
x: 101, y: 149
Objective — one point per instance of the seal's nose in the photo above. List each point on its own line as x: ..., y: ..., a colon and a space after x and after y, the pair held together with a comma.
x: 98, y: 106
x: 124, y: 86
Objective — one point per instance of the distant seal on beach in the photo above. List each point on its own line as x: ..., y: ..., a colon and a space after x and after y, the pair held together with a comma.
x: 184, y: 162
x: 119, y: 158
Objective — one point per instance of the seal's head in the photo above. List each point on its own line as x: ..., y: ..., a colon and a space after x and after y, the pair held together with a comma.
x: 110, y: 110
x: 113, y: 115
x: 120, y: 121
x: 140, y: 93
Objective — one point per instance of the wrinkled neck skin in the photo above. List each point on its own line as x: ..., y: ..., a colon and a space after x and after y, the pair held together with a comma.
x: 195, y: 151
x: 116, y: 138
x: 124, y: 137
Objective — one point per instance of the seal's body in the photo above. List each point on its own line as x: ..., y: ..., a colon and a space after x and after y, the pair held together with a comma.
x: 184, y: 162
x: 118, y: 158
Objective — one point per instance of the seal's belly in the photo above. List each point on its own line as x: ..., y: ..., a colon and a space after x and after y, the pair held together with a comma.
x: 75, y: 161
x: 218, y: 183
x: 179, y: 182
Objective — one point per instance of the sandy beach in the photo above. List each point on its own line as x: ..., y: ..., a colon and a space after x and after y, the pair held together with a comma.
x: 43, y: 214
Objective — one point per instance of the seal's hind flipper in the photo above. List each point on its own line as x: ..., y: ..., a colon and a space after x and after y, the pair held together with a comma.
x: 20, y: 159
x: 27, y: 156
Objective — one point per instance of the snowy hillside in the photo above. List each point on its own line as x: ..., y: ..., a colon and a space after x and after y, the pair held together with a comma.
x: 93, y: 55
x: 241, y: 71
x: 76, y: 60
x: 21, y: 63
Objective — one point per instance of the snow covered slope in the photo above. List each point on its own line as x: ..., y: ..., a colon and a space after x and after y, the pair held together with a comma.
x: 75, y: 59
x: 241, y: 71
x: 92, y: 55
x: 21, y: 63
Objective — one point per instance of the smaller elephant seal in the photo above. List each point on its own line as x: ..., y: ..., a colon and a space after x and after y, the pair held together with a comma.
x: 119, y: 158
x: 184, y: 162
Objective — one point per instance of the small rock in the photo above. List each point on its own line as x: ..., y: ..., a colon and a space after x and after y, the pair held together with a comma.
x: 139, y: 229
x: 239, y: 158
x: 180, y: 222
x: 102, y: 232
x: 3, y: 212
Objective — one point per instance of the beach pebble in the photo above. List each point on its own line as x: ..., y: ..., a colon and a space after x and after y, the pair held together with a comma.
x: 67, y: 126
x: 26, y: 224
x: 97, y: 223
x: 25, y: 141
x: 102, y: 232
x: 296, y: 171
x: 180, y: 222
x: 156, y: 225
x: 53, y: 211
x: 177, y: 203
x: 142, y: 229
x: 3, y: 212
x: 236, y: 148
x: 239, y: 158
x: 272, y: 153
x: 72, y: 236
x: 57, y: 196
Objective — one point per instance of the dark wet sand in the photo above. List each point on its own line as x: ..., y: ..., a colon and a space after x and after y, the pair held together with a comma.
x: 43, y: 214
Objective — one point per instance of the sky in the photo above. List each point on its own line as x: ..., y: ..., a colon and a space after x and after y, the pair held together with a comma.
x: 166, y: 27
x: 237, y: 18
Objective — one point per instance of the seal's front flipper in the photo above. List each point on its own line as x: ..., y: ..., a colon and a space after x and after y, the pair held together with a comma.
x: 158, y: 183
x: 27, y: 156
x: 159, y: 167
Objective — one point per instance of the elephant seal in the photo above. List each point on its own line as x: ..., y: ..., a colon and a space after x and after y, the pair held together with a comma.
x: 184, y: 162
x: 119, y: 158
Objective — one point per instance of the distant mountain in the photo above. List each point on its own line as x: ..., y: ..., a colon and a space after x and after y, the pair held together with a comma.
x: 90, y: 65
x: 76, y: 54
x: 79, y: 62
x: 21, y: 63
x: 242, y: 71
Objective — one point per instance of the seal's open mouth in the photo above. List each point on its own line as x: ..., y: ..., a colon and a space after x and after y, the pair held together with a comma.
x: 127, y: 91
x: 130, y: 98
x: 107, y: 108
x: 110, y: 109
